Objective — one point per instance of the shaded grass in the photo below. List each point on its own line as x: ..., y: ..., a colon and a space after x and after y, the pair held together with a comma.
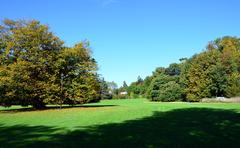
x: 129, y: 123
x: 49, y: 107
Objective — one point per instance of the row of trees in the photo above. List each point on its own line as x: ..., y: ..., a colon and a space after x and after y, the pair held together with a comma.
x: 214, y: 72
x: 37, y: 69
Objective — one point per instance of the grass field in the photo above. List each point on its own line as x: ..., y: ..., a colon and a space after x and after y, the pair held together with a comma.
x: 123, y: 123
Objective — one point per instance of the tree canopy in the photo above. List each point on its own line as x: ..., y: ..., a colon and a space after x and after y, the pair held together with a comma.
x: 36, y: 68
x: 214, y: 72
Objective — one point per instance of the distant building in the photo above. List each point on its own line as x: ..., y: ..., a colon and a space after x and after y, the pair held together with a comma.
x: 110, y: 92
x: 123, y: 93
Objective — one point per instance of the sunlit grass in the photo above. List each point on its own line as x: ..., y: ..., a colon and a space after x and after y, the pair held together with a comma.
x: 107, y: 111
x: 110, y: 123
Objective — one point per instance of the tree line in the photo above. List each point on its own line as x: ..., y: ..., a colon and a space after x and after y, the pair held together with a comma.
x: 215, y: 72
x: 37, y: 69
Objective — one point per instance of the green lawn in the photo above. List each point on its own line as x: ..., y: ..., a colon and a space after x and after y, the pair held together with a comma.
x: 123, y: 123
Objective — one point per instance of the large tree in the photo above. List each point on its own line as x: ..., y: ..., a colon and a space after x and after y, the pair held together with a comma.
x: 36, y: 69
x: 75, y: 77
x: 213, y: 72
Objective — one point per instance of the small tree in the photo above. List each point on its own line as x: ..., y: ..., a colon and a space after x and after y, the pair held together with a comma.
x: 170, y: 91
x: 165, y: 88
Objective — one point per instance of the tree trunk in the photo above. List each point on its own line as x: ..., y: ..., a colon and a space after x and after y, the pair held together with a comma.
x: 39, y: 105
x: 61, y: 89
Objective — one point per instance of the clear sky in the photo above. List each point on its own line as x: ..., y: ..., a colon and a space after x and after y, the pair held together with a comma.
x: 133, y: 37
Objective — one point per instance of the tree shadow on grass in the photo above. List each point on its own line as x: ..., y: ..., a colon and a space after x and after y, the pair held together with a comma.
x: 22, y: 136
x: 193, y: 127
x: 28, y: 109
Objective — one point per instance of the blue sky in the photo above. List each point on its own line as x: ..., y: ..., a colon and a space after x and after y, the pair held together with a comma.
x: 133, y: 37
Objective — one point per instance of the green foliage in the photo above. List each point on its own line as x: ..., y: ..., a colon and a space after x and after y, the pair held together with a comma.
x: 170, y: 91
x: 36, y: 69
x: 139, y: 88
x: 173, y: 69
x: 233, y: 87
x: 113, y: 89
x: 165, y: 88
x: 124, y: 85
x: 106, y: 92
x: 75, y: 73
x: 28, y: 52
x: 200, y: 75
x: 112, y: 86
x: 159, y: 70
x: 139, y: 80
x: 213, y: 72
x: 136, y: 88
